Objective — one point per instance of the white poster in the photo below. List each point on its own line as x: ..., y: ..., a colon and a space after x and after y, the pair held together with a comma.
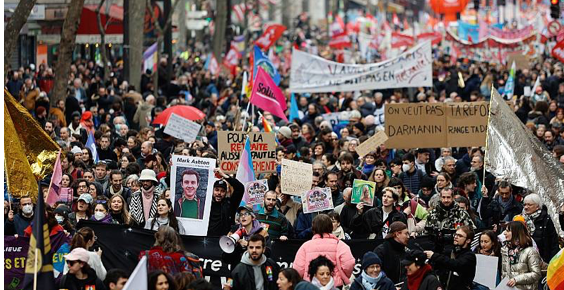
x: 191, y: 188
x: 182, y: 128
x: 486, y: 270
x: 313, y: 74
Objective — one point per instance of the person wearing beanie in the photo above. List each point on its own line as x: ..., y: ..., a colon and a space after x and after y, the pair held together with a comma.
x: 285, y: 136
x: 372, y: 276
x: 420, y: 275
x: 393, y: 250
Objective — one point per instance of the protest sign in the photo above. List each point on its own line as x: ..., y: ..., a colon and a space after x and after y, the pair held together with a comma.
x: 521, y: 61
x: 15, y: 255
x: 318, y: 199
x: 263, y: 150
x: 433, y: 125
x: 371, y: 144
x: 296, y: 177
x: 313, y: 74
x: 363, y: 192
x: 191, y: 190
x: 182, y: 128
x: 255, y: 191
x: 332, y: 118
x: 486, y: 270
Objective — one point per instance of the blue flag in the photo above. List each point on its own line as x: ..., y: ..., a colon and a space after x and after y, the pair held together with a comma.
x: 92, y: 145
x: 260, y: 59
x: 293, y: 108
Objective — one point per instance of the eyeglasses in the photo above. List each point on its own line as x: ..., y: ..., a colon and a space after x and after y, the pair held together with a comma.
x: 246, y: 214
x: 459, y: 235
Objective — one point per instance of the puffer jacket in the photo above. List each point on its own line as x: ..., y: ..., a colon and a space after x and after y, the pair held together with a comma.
x: 527, y: 270
x: 331, y: 247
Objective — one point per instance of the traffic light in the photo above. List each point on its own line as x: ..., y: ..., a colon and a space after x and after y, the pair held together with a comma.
x: 555, y: 9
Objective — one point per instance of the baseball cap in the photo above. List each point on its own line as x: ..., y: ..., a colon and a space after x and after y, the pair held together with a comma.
x: 220, y: 183
x: 78, y: 254
x: 414, y: 256
x: 86, y: 197
x: 395, y: 227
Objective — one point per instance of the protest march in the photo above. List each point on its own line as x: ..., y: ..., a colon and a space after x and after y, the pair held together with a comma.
x: 281, y: 145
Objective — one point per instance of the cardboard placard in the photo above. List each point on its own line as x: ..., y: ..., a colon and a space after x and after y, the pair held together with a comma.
x: 263, y: 150
x: 434, y: 125
x: 317, y: 199
x: 255, y: 190
x: 371, y: 144
x: 521, y: 61
x: 182, y: 128
x: 296, y: 177
x: 363, y: 192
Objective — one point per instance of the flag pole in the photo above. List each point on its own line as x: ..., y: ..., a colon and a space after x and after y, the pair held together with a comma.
x: 488, y: 132
x: 51, y: 182
x: 35, y: 269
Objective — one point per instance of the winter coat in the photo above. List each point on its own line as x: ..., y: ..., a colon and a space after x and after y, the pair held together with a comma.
x: 142, y: 114
x: 372, y: 222
x: 458, y: 272
x: 429, y: 282
x: 222, y: 214
x: 335, y: 250
x: 442, y: 219
x: 70, y: 282
x: 136, y: 206
x: 391, y: 253
x: 383, y: 284
x: 526, y: 271
x: 18, y: 225
x: 545, y: 236
x: 244, y: 275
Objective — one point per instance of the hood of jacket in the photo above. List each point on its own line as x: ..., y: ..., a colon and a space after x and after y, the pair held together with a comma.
x: 246, y: 259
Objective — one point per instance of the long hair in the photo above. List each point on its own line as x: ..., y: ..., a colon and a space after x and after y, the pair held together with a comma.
x: 172, y: 221
x: 168, y: 239
x: 496, y: 246
x: 81, y: 238
x: 293, y: 276
x: 519, y: 235
x: 124, y: 212
x: 154, y: 277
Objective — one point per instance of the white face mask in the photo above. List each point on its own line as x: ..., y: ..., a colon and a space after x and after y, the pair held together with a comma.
x: 99, y: 215
x: 60, y: 219
x: 27, y: 209
x: 405, y: 167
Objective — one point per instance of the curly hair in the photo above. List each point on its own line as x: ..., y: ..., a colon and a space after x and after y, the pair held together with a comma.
x: 319, y: 262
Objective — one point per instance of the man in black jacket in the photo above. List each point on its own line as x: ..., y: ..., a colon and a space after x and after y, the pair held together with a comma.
x: 392, y: 251
x: 457, y: 268
x: 502, y: 207
x: 255, y: 271
x: 223, y: 208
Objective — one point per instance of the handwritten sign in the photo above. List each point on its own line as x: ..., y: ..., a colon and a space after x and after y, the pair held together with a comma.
x: 255, y: 191
x: 371, y: 144
x: 296, y: 177
x: 263, y: 150
x: 182, y: 128
x: 432, y: 125
x: 318, y: 199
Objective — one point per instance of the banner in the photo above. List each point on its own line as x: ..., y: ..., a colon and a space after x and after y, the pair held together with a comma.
x: 399, y: 40
x: 296, y: 177
x: 15, y: 255
x: 217, y: 266
x: 313, y: 74
x: 263, y: 150
x: 434, y: 125
x: 316, y: 200
x: 191, y: 188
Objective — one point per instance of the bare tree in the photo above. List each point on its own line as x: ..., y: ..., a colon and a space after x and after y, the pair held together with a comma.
x: 220, y: 25
x: 68, y: 37
x: 12, y: 30
x: 135, y: 45
x: 103, y: 51
x: 160, y: 37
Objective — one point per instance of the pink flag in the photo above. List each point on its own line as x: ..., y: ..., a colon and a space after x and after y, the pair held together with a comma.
x: 53, y: 195
x: 267, y: 96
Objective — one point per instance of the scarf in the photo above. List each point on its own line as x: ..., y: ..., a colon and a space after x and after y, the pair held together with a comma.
x: 512, y: 252
x: 112, y: 192
x: 149, y: 192
x: 414, y: 280
x: 530, y: 219
x: 505, y: 204
x: 370, y: 282
x: 329, y: 286
x: 368, y: 168
x: 339, y: 233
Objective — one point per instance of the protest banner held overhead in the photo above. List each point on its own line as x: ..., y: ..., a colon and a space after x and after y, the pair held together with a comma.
x: 371, y: 144
x: 296, y: 177
x: 255, y: 191
x: 363, y: 192
x: 182, y: 128
x: 433, y: 125
x: 316, y: 200
x: 313, y: 74
x: 263, y: 150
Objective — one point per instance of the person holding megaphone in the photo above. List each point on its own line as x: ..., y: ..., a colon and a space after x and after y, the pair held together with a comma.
x: 248, y: 225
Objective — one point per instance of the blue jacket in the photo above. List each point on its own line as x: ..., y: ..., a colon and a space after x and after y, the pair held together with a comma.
x: 17, y: 226
x: 384, y: 284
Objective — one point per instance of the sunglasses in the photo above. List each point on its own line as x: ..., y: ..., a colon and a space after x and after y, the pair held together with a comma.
x: 71, y: 263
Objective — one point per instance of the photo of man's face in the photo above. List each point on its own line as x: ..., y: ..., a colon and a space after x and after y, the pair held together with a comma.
x: 190, y: 185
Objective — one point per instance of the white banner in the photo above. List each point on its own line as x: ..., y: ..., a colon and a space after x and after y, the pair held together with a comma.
x: 313, y: 74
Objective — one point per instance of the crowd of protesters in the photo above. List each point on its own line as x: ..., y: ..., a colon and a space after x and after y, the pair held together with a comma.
x: 443, y: 193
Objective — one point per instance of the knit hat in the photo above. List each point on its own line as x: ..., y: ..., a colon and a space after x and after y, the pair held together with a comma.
x: 396, y: 226
x: 370, y: 258
x: 359, y: 126
x: 285, y: 131
x: 305, y: 285
x: 427, y: 182
x: 76, y: 150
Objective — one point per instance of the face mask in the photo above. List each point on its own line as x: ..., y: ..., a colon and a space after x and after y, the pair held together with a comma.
x: 405, y: 167
x: 99, y: 215
x: 60, y: 219
x: 27, y: 209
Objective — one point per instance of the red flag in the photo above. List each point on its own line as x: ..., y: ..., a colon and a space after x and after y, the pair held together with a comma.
x: 435, y: 37
x: 267, y: 96
x: 339, y: 38
x: 231, y: 60
x: 399, y: 40
x: 395, y: 19
x: 270, y: 35
x: 558, y: 51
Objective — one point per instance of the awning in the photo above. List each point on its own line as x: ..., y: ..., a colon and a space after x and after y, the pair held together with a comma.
x: 88, y: 29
